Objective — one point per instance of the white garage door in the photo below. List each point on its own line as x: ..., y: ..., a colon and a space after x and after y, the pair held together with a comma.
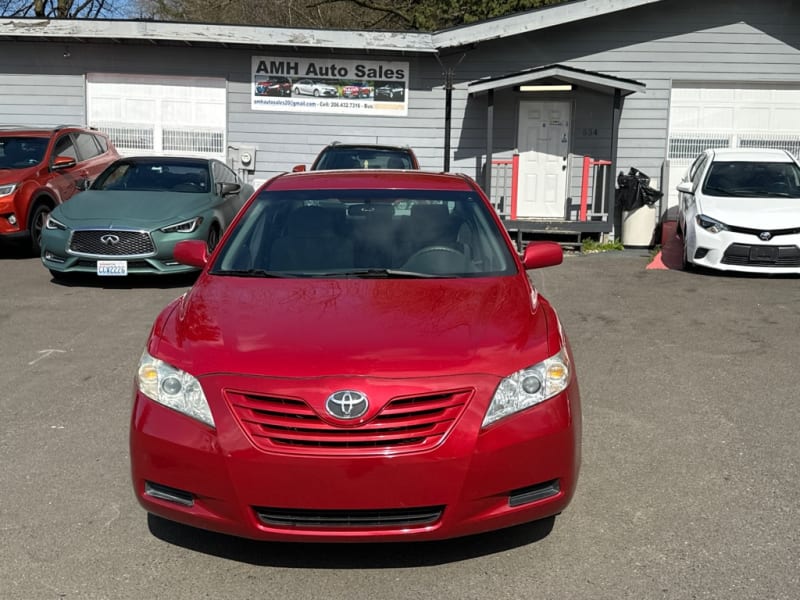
x: 704, y: 116
x: 156, y: 115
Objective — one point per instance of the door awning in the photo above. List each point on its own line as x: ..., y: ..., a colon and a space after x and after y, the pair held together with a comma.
x: 558, y: 74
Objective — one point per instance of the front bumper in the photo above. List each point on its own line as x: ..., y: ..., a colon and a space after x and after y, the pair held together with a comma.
x: 745, y: 252
x: 56, y: 255
x: 518, y: 470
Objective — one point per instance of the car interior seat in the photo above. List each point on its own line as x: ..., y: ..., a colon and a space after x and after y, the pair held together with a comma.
x: 311, y: 242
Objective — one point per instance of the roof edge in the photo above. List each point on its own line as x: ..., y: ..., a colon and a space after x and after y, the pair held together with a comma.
x: 532, y: 20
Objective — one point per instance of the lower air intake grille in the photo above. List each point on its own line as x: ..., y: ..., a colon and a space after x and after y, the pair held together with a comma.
x: 315, y: 519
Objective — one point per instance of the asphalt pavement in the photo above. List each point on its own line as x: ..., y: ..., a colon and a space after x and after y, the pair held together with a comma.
x: 689, y: 486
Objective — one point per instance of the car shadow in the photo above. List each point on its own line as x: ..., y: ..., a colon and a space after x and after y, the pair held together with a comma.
x: 129, y: 282
x: 348, y: 556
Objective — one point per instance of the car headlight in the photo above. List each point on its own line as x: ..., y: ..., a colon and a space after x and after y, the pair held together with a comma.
x: 187, y: 226
x: 7, y: 189
x: 173, y: 388
x: 711, y: 225
x: 52, y: 223
x: 529, y: 387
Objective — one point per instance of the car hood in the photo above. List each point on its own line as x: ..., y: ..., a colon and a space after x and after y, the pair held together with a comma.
x: 100, y: 208
x: 16, y: 175
x: 380, y: 327
x: 753, y: 213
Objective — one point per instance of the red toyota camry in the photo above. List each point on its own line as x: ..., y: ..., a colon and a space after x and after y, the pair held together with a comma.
x: 363, y: 358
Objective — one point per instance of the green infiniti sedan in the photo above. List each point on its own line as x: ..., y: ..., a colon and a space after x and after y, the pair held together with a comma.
x: 129, y: 220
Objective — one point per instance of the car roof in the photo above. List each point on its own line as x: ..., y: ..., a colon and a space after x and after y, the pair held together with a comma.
x: 367, y: 179
x: 166, y: 159
x: 751, y: 155
x: 41, y: 129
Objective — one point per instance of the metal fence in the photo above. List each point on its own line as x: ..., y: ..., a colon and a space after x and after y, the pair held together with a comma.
x: 685, y: 146
x: 137, y: 139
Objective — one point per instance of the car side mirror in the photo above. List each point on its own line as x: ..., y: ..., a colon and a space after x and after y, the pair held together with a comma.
x: 685, y: 187
x: 542, y: 254
x: 298, y: 168
x: 227, y: 188
x: 63, y: 162
x: 193, y: 253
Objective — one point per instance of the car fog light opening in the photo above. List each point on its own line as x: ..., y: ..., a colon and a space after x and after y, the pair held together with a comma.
x: 529, y: 387
x: 173, y: 388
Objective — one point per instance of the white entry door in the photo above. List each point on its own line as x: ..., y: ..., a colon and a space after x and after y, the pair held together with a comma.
x: 543, y: 144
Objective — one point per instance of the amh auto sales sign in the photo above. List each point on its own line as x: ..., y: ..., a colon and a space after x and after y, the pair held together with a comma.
x: 330, y: 86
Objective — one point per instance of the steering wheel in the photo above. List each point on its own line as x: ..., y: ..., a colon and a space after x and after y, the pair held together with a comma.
x: 429, y: 249
x: 437, y: 259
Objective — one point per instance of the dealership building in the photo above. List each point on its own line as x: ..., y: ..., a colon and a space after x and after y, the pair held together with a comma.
x: 544, y: 108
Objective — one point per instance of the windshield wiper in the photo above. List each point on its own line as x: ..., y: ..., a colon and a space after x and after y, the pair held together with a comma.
x: 377, y: 273
x: 251, y: 273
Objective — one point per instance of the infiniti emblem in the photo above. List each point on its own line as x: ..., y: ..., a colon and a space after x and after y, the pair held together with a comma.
x: 346, y: 404
x: 765, y: 235
x: 110, y: 239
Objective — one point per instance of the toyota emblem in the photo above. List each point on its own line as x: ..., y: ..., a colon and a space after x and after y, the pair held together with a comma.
x: 765, y: 236
x: 110, y: 239
x: 346, y: 404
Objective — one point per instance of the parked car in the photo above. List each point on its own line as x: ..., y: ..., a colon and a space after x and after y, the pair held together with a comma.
x: 343, y: 370
x: 362, y: 156
x: 41, y: 167
x: 356, y: 90
x: 739, y: 210
x: 390, y: 91
x: 135, y: 212
x: 314, y: 88
x: 274, y: 86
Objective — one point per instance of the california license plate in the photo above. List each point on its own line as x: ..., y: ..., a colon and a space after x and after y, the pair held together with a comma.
x: 112, y: 267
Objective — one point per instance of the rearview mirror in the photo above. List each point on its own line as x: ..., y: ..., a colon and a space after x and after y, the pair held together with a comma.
x: 685, y: 187
x: 63, y: 162
x: 226, y: 188
x: 542, y: 254
x: 193, y: 253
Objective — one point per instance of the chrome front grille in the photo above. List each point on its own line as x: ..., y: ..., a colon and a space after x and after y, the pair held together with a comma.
x: 111, y: 242
x: 292, y: 425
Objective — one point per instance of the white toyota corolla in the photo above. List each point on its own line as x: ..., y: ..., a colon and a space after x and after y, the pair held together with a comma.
x: 739, y: 210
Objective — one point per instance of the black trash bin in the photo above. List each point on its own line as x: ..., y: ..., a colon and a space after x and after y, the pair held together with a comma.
x: 639, y: 204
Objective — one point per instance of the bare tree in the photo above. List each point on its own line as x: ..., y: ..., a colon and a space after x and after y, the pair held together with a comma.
x: 57, y: 9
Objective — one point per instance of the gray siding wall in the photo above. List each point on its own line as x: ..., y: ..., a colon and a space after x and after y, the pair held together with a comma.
x: 38, y: 85
x: 731, y: 41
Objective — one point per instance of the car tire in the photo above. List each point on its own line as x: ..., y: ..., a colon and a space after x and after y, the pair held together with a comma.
x: 316, y: 93
x: 213, y: 238
x: 297, y: 91
x: 37, y: 220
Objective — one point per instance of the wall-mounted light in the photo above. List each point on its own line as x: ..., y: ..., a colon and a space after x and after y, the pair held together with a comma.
x: 67, y: 53
x: 546, y: 88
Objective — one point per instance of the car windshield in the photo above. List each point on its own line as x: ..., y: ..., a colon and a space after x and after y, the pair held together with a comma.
x: 154, y: 176
x: 364, y: 158
x: 20, y: 152
x: 366, y: 233
x: 753, y: 179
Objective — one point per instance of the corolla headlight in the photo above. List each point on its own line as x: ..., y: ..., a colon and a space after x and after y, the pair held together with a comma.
x: 528, y: 387
x: 173, y: 388
x: 187, y: 226
x: 53, y: 223
x: 7, y: 189
x: 711, y: 225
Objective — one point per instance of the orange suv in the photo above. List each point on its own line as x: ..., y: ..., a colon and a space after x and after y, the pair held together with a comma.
x: 41, y: 167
